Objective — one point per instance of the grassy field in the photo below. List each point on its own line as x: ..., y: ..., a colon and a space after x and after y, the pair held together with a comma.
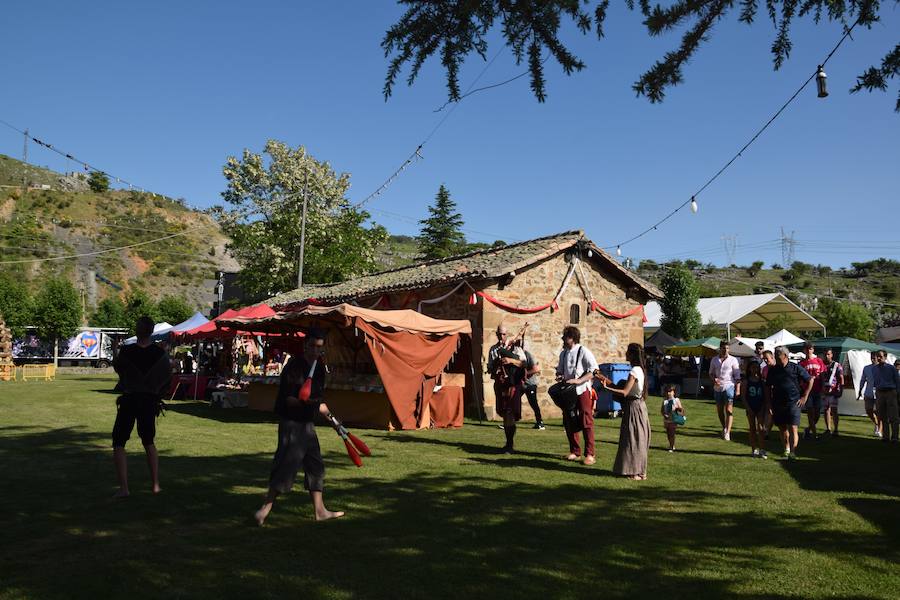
x: 434, y: 514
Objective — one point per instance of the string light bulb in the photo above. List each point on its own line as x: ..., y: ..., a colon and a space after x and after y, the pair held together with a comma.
x: 821, y: 82
x: 618, y: 250
x: 694, y: 207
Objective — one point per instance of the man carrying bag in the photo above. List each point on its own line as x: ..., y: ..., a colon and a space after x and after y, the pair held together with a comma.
x: 575, y: 368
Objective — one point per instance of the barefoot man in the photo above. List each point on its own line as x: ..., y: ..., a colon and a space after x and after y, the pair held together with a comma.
x: 298, y: 446
x: 144, y: 376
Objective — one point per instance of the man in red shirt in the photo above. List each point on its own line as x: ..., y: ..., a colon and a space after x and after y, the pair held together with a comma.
x: 815, y: 367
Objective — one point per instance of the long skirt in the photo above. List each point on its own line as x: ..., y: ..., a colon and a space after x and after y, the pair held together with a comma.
x: 634, y: 439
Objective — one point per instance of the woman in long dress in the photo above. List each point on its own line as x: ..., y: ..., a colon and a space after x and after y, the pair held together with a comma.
x: 634, y: 432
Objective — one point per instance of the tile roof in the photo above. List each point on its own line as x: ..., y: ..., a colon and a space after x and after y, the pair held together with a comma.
x: 480, y: 265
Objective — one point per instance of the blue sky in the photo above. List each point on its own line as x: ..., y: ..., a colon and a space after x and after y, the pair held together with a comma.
x: 160, y: 94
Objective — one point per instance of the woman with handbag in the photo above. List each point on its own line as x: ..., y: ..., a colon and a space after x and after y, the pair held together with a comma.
x: 634, y: 433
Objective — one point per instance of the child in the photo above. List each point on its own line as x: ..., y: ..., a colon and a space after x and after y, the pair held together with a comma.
x: 754, y: 402
x: 670, y: 406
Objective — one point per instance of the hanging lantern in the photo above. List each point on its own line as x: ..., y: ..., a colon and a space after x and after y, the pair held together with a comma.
x: 694, y: 207
x: 821, y: 82
x: 618, y: 250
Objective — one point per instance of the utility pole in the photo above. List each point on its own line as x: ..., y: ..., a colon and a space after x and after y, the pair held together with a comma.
x: 303, y: 228
x: 25, y: 160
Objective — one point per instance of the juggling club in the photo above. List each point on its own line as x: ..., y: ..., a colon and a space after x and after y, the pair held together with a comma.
x: 345, y: 434
x: 342, y: 433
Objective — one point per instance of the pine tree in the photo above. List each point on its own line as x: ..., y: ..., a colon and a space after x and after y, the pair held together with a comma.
x: 440, y: 235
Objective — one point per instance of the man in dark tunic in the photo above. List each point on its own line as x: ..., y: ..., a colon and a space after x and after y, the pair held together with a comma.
x: 788, y: 385
x: 144, y: 376
x: 298, y: 445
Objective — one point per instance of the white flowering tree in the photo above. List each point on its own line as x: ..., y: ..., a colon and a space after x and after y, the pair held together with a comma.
x: 263, y: 217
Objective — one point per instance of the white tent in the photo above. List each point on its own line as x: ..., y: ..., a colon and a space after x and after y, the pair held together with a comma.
x: 745, y: 347
x: 783, y: 338
x: 737, y: 314
x: 159, y: 328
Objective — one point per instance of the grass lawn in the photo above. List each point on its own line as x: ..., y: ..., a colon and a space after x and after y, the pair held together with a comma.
x: 434, y: 514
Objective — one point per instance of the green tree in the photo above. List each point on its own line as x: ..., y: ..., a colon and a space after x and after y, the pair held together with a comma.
x: 680, y: 316
x: 57, y: 310
x: 754, y: 269
x: 138, y: 304
x: 711, y: 329
x: 842, y: 318
x: 15, y: 303
x: 98, y: 181
x: 173, y: 309
x: 531, y: 29
x: 265, y: 195
x: 440, y: 235
x: 110, y: 313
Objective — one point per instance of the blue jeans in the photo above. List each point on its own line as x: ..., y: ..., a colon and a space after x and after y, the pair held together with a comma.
x: 725, y: 396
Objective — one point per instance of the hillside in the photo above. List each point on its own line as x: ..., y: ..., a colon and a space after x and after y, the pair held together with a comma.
x: 69, y: 219
x: 875, y: 285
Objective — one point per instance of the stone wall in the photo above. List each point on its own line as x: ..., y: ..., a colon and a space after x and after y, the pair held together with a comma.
x: 606, y: 337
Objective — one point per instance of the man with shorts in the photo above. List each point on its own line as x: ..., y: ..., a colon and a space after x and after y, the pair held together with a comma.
x: 788, y: 386
x: 832, y: 388
x: 725, y: 371
x: 298, y: 445
x: 867, y: 393
x: 145, y: 374
x: 887, y: 383
x: 815, y: 367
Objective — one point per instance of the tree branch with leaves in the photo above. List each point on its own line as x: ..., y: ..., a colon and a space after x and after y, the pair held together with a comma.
x: 531, y: 28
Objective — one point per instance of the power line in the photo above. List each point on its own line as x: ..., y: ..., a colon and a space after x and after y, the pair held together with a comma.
x: 97, y: 252
x: 69, y: 157
x: 692, y: 200
x: 417, y: 153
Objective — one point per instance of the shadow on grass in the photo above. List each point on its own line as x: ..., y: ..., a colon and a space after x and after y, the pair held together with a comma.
x: 436, y: 534
x: 203, y: 410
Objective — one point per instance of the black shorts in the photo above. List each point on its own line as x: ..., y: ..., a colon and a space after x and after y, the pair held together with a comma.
x: 142, y: 409
x: 298, y: 446
x: 784, y: 415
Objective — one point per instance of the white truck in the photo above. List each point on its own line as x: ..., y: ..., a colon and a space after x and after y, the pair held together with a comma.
x: 91, y: 346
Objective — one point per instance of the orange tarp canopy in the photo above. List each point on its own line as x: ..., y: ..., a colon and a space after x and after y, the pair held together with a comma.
x: 409, y: 349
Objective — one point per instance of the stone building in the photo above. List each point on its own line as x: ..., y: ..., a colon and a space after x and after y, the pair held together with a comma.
x: 549, y: 282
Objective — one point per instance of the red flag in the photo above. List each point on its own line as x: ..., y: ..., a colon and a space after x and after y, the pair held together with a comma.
x: 360, y: 445
x: 353, y: 454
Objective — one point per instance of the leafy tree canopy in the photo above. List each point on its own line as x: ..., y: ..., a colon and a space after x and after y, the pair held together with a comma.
x: 531, y: 29
x: 265, y: 197
x: 57, y: 309
x: 680, y: 316
x: 173, y: 309
x: 15, y: 303
x: 139, y: 304
x: 98, y: 181
x: 440, y: 235
x: 846, y: 319
x: 110, y: 312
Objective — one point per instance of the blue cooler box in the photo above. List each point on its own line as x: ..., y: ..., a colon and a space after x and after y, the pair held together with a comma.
x: 618, y: 374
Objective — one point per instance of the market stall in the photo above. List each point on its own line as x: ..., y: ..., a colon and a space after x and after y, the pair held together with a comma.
x: 387, y: 367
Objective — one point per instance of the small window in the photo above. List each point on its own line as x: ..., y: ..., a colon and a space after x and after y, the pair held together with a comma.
x: 575, y: 314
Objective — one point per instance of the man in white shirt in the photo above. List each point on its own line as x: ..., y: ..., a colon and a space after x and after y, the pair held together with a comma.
x: 725, y: 371
x: 576, y: 366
